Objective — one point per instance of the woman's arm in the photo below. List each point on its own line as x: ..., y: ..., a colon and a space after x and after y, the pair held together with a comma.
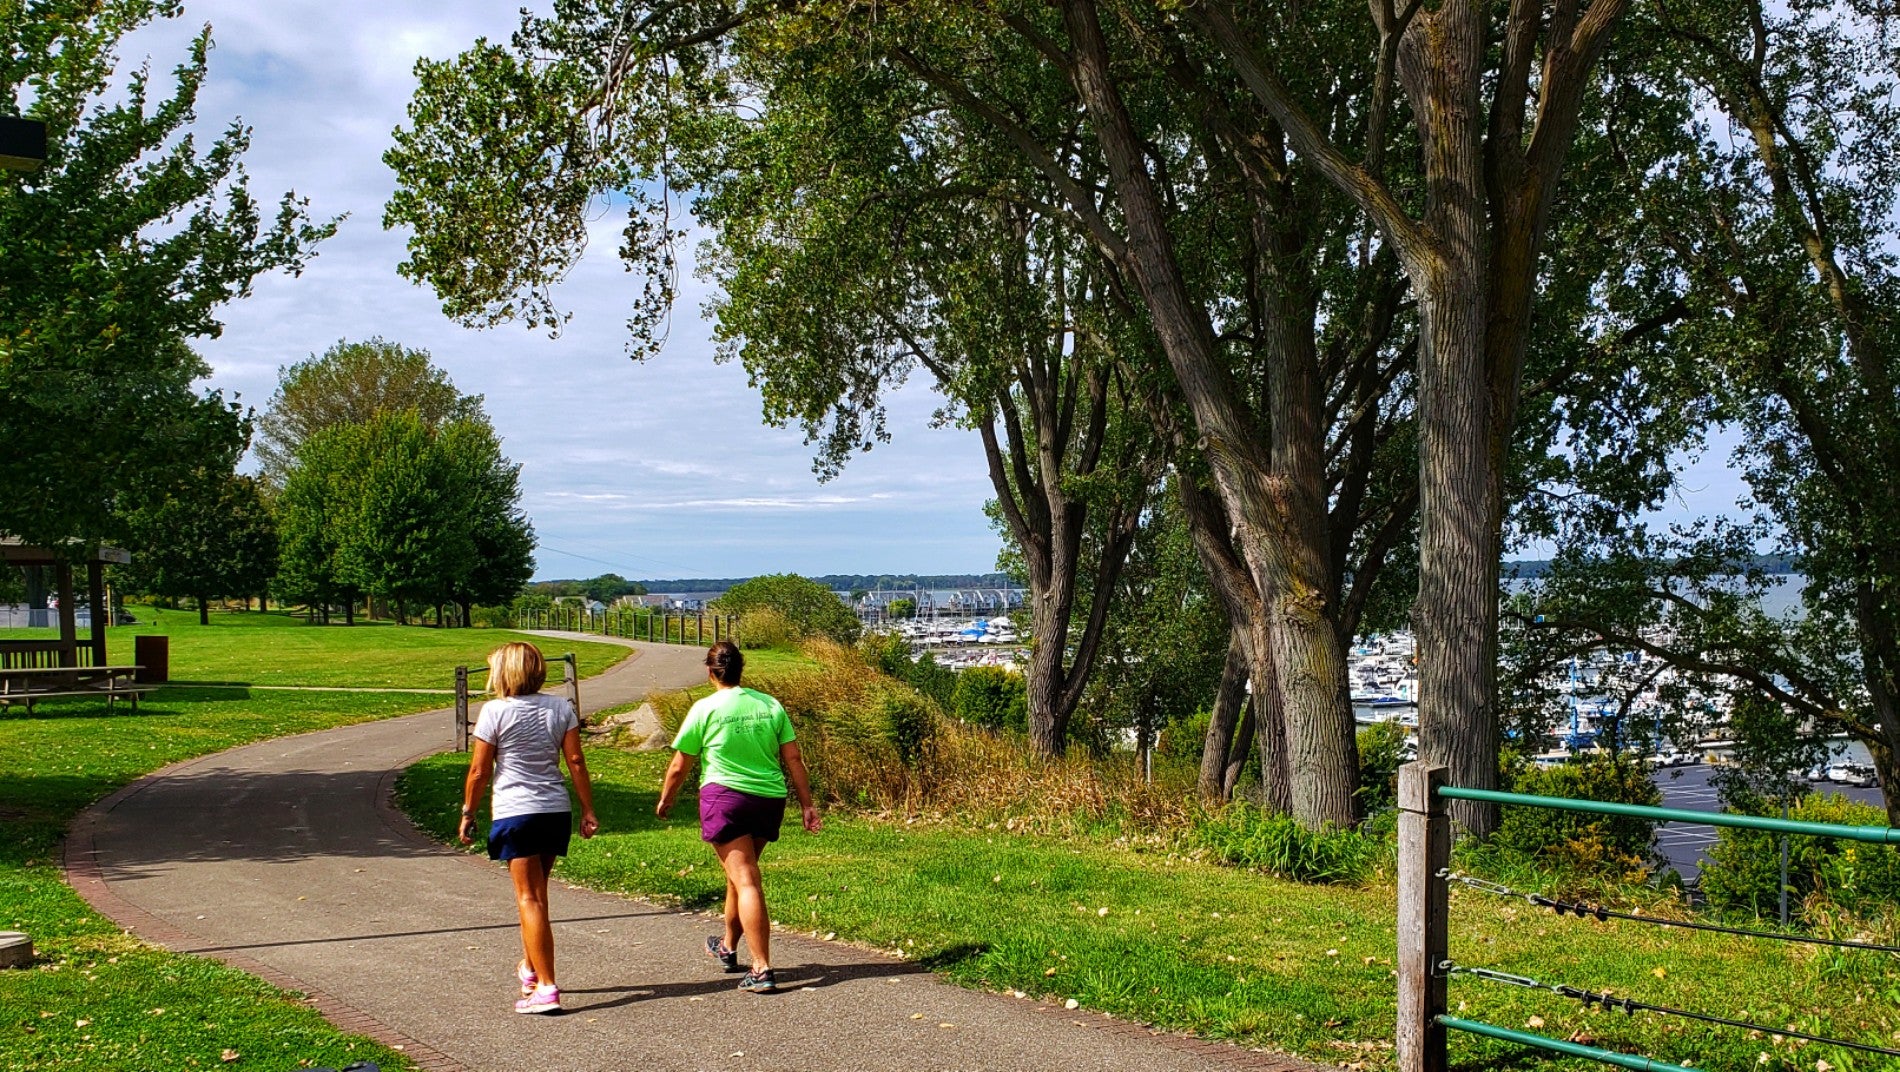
x: 801, y: 783
x: 583, y: 786
x: 481, y: 767
x: 676, y: 773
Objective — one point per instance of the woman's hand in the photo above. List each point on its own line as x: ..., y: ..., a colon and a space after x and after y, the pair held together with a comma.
x: 465, y: 832
x: 662, y: 808
x: 589, y: 824
x: 812, y: 822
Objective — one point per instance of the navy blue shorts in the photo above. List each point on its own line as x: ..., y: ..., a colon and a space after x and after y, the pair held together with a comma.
x: 725, y: 814
x: 541, y: 834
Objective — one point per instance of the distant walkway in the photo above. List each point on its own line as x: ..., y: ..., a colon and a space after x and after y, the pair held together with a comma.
x: 286, y: 859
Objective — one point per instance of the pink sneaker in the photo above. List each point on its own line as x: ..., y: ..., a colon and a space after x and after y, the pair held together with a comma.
x: 544, y: 999
x: 525, y: 975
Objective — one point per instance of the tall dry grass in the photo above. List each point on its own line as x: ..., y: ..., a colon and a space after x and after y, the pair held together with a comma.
x: 875, y: 744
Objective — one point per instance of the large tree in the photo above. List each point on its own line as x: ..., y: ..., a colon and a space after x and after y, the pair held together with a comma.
x: 1286, y: 394
x: 115, y: 253
x: 352, y: 383
x: 212, y: 538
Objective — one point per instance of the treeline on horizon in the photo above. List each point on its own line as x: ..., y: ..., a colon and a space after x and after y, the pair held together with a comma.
x: 837, y: 582
x: 1770, y: 565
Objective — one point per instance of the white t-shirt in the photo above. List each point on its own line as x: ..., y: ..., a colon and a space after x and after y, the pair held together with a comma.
x: 527, y: 732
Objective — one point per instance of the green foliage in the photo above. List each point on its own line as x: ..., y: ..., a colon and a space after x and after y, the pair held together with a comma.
x: 395, y: 508
x: 1381, y: 754
x: 766, y: 629
x: 1581, y: 841
x: 903, y: 608
x: 991, y: 697
x: 353, y: 383
x: 1245, y: 836
x: 120, y: 249
x: 811, y: 608
x: 214, y: 538
x: 890, y: 653
x: 1825, y: 875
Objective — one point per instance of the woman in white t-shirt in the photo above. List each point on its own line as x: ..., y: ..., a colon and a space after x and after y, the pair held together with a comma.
x: 519, y: 740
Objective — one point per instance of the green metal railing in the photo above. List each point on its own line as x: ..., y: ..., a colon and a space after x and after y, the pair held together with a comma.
x: 1879, y: 835
x: 1571, y: 1049
x: 1424, y: 871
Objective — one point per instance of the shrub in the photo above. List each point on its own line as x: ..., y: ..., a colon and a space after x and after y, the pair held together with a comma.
x: 1825, y: 875
x: 767, y: 628
x: 1611, y: 845
x: 890, y: 653
x: 1381, y: 753
x: 993, y: 698
x: 1245, y: 836
x: 811, y: 608
x: 1183, y: 740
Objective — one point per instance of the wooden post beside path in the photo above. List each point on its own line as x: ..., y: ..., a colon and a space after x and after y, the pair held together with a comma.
x: 1424, y: 856
x: 571, y: 680
x: 461, y: 709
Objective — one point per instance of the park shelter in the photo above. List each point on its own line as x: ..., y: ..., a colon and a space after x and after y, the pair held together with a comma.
x: 66, y: 650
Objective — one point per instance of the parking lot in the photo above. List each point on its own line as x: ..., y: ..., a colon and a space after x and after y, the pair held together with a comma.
x: 1684, y: 844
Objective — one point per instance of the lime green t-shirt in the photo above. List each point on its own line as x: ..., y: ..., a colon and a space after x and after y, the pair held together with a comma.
x: 737, y: 732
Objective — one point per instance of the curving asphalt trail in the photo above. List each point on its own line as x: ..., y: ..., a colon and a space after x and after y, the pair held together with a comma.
x: 286, y: 858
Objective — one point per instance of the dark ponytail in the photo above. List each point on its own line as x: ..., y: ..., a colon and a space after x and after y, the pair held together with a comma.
x: 726, y: 662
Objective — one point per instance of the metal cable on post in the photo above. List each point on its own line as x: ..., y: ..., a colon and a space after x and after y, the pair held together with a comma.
x: 1600, y: 913
x: 1631, y: 1006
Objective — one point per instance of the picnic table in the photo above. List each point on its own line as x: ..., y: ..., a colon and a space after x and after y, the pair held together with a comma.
x: 28, y: 684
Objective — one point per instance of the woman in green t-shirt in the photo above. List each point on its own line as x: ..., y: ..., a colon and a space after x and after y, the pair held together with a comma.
x: 750, y: 754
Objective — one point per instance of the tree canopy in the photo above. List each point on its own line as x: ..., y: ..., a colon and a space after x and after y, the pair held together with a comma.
x: 115, y: 254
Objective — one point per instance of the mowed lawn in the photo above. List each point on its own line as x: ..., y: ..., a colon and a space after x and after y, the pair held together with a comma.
x: 274, y: 648
x: 100, y: 1000
x: 1147, y: 934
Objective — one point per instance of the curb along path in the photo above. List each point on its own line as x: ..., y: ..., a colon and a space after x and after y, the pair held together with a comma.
x: 286, y: 859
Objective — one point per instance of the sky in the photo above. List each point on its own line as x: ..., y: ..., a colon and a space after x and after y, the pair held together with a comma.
x: 662, y: 469
x: 656, y: 470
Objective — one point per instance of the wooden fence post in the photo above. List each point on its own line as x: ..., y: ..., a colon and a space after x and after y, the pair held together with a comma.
x: 571, y: 679
x: 699, y: 632
x: 1424, y: 856
x: 461, y: 709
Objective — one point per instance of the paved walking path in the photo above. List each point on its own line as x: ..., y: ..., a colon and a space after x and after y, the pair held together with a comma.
x: 285, y: 858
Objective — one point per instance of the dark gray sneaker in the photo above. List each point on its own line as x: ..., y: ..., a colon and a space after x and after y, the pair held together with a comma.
x: 758, y: 982
x: 716, y: 949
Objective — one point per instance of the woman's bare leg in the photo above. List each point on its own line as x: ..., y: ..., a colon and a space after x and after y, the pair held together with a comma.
x: 740, y: 859
x: 734, y: 929
x: 530, y: 875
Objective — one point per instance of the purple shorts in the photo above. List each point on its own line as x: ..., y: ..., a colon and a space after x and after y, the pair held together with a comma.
x: 725, y: 814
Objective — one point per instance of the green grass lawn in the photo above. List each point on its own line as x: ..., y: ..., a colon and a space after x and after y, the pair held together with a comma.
x: 275, y: 648
x: 100, y: 1000
x: 1146, y: 934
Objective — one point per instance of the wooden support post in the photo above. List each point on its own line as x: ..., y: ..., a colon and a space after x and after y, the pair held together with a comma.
x: 461, y: 709
x: 571, y: 678
x: 1424, y: 856
x: 101, y: 613
x: 68, y: 616
x: 699, y: 632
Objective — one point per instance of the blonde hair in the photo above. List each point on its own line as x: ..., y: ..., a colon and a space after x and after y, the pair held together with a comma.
x: 516, y: 669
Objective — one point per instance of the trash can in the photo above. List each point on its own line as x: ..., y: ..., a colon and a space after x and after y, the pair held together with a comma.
x: 152, y: 653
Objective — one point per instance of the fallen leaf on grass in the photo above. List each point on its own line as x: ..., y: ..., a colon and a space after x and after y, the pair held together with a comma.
x: 81, y: 1023
x: 1535, y: 1021
x: 228, y: 1056
x: 1048, y: 971
x: 1658, y: 973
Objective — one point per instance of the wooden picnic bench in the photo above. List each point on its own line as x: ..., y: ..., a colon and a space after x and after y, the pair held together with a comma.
x: 30, y: 684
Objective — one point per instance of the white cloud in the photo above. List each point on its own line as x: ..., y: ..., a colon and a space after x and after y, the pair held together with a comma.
x: 663, y: 467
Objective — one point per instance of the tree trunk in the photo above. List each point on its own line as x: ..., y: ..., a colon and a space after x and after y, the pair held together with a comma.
x: 349, y: 610
x: 1230, y: 700
x: 1276, y: 537
x: 1237, y: 756
x: 204, y: 611
x: 1457, y: 611
x: 468, y: 613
